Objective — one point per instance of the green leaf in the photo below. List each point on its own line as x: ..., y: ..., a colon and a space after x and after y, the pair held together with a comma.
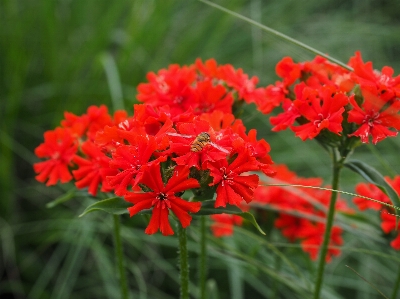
x: 207, y: 208
x: 371, y: 175
x: 113, y: 205
x: 61, y: 199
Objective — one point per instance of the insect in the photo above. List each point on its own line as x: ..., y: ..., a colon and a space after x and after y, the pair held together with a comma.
x: 200, y: 141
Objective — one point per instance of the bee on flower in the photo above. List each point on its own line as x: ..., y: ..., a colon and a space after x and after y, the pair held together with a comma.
x: 200, y: 141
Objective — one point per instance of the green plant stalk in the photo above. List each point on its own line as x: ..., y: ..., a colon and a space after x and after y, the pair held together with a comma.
x: 276, y: 284
x: 337, y: 166
x: 183, y: 262
x: 396, y: 286
x: 120, y: 258
x: 203, y: 258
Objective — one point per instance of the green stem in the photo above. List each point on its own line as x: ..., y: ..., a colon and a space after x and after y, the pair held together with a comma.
x: 183, y: 262
x: 396, y: 286
x: 203, y: 258
x: 337, y: 166
x: 120, y: 258
x: 276, y: 284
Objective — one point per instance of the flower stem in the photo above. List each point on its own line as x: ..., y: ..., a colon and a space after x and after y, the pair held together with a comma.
x: 203, y: 258
x: 337, y: 166
x: 396, y: 286
x: 183, y: 262
x: 120, y: 258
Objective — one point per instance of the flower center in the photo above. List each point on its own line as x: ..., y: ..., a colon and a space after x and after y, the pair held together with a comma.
x: 372, y: 119
x: 162, y: 200
x: 178, y: 100
x: 318, y: 122
x: 227, y: 177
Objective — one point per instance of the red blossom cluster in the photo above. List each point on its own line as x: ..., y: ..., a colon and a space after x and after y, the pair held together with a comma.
x: 183, y: 137
x: 301, y: 212
x: 61, y: 146
x: 201, y: 87
x: 324, y: 97
x: 389, y: 221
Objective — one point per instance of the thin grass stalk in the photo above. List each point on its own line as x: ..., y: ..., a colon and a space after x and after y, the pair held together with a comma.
x: 396, y: 286
x: 183, y: 262
x: 278, y: 34
x: 120, y: 258
x: 276, y: 284
x: 337, y: 166
x: 203, y: 259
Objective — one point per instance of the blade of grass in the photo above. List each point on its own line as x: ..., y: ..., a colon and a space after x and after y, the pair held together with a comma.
x: 278, y: 34
x: 371, y: 284
x: 114, y: 82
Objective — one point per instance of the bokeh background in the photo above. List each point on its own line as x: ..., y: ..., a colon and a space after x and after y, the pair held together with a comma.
x: 65, y: 55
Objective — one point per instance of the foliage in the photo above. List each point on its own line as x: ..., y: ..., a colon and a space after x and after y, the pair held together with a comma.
x: 58, y: 55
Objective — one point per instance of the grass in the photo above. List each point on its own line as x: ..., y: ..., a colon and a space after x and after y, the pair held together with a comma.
x: 52, y: 60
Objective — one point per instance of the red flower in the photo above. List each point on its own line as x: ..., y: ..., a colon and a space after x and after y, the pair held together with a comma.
x: 304, y: 204
x: 388, y: 225
x: 287, y: 118
x: 388, y: 220
x: 163, y: 198
x: 240, y: 81
x: 274, y: 96
x: 387, y: 86
x: 171, y: 87
x: 233, y: 187
x: 323, y: 110
x: 320, y: 99
x: 90, y: 123
x: 223, y: 224
x: 219, y: 120
x: 210, y: 98
x: 288, y: 70
x: 93, y: 170
x: 258, y: 149
x: 312, y: 236
x: 375, y: 117
x: 59, y: 147
x: 371, y: 191
x: 181, y: 145
x: 208, y: 69
x: 132, y: 160
x: 290, y: 225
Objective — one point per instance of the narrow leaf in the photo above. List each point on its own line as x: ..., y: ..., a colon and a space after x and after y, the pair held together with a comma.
x: 371, y: 175
x: 61, y: 199
x: 277, y: 33
x: 371, y: 284
x: 113, y: 205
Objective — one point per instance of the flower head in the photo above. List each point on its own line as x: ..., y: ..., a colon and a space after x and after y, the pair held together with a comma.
x: 325, y: 98
x: 389, y: 222
x: 59, y: 148
x: 162, y: 198
x: 232, y: 186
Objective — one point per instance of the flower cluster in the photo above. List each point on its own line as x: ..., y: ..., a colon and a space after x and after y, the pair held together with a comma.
x: 301, y: 212
x: 201, y: 87
x: 183, y: 137
x: 61, y: 147
x: 325, y: 98
x: 389, y: 221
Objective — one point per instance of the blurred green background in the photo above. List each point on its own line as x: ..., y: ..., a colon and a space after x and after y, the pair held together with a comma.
x: 55, y: 56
